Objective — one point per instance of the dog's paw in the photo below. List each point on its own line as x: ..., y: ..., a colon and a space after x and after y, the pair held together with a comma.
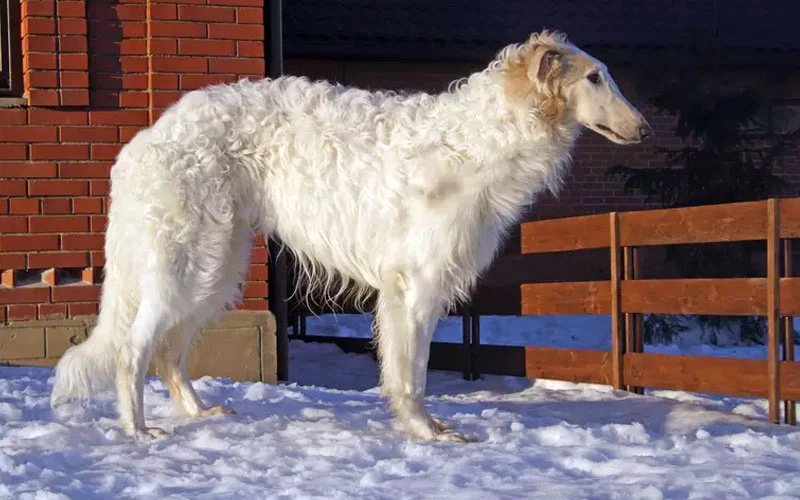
x: 428, y: 428
x: 217, y: 410
x: 148, y: 434
x: 442, y: 425
x: 455, y: 437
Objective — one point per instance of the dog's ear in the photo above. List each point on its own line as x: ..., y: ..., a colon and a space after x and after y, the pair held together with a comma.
x: 546, y: 62
x: 551, y: 61
x: 531, y: 71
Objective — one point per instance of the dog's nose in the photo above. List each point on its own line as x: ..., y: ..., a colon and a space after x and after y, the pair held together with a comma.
x: 644, y: 132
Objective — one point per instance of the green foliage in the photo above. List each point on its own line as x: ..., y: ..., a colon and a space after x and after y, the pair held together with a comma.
x: 721, y: 159
x: 665, y: 329
x: 751, y: 329
x: 662, y: 329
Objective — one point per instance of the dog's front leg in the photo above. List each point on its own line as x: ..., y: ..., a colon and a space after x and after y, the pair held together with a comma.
x: 407, y: 318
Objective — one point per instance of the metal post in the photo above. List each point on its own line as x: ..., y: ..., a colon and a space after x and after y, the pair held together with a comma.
x: 475, y: 345
x: 466, y: 339
x: 273, y: 20
x: 279, y: 307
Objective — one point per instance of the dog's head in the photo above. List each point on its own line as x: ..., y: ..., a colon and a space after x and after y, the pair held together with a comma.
x: 560, y: 83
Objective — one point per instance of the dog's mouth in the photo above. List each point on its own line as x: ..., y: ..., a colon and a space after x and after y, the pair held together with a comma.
x: 604, y: 130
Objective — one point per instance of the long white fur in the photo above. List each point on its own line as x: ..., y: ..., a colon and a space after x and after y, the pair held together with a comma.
x: 410, y: 195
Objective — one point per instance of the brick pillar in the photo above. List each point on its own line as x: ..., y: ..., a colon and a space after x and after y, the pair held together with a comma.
x: 95, y: 74
x: 55, y: 63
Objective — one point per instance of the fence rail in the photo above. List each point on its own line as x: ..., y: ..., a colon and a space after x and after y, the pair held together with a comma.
x: 776, y: 297
x: 625, y: 297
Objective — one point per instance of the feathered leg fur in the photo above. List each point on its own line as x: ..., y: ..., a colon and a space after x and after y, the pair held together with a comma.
x: 407, y: 313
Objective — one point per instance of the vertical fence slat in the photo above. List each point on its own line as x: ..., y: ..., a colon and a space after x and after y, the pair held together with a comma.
x: 773, y: 306
x: 637, y: 273
x: 790, y: 407
x: 627, y: 274
x: 638, y: 322
x: 630, y: 318
x: 617, y: 339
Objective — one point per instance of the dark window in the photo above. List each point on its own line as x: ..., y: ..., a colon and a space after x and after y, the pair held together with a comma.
x: 10, y: 49
x: 780, y: 117
x: 785, y: 117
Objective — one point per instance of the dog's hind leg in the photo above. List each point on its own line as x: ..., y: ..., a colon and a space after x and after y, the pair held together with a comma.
x: 172, y: 353
x: 407, y: 317
x: 152, y: 319
x: 170, y: 360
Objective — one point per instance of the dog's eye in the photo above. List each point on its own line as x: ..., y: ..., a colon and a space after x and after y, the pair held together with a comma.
x: 594, y: 78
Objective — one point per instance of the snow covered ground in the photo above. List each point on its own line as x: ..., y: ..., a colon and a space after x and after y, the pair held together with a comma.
x: 327, y: 435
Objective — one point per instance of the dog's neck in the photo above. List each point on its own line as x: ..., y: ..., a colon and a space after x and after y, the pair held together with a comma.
x: 503, y: 141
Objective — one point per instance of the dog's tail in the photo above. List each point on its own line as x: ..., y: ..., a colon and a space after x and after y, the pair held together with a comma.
x: 92, y: 365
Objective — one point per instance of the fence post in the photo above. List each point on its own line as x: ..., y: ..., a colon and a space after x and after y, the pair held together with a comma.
x: 773, y: 309
x: 790, y: 407
x: 617, y: 340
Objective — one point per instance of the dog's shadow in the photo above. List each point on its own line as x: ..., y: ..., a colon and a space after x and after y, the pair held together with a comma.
x: 365, y: 412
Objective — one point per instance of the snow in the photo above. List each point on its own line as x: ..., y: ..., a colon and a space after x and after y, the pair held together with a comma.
x: 328, y: 435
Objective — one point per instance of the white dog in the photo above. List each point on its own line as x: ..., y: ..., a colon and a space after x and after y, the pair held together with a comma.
x: 409, y: 195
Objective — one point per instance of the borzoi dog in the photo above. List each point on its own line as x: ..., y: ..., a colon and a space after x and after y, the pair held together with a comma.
x: 408, y: 195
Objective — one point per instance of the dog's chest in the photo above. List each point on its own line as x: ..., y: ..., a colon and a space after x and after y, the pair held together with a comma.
x: 465, y: 235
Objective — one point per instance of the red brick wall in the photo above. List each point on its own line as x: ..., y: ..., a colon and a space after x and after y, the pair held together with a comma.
x: 95, y: 74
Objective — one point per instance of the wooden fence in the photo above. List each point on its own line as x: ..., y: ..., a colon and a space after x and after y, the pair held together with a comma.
x: 625, y: 296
